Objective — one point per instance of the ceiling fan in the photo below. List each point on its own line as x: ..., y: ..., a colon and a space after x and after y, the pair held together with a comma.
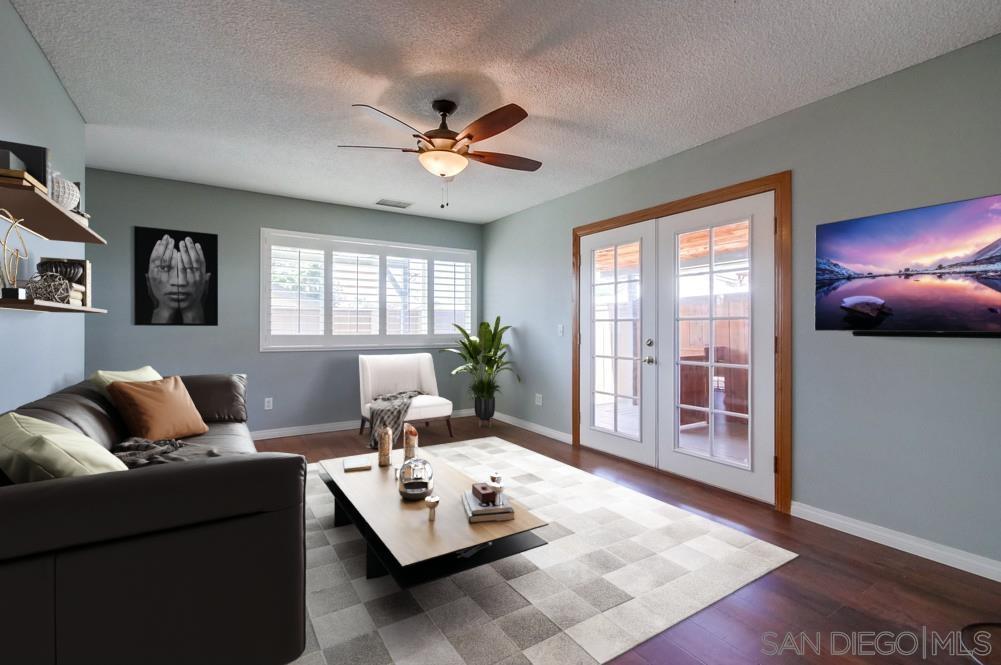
x: 445, y: 153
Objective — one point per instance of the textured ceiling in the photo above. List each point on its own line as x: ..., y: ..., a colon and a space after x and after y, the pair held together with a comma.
x: 256, y: 94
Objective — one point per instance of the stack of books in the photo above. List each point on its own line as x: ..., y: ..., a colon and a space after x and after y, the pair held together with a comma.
x: 22, y: 178
x: 476, y: 512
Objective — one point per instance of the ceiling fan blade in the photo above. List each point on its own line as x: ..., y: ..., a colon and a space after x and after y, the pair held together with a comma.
x: 379, y: 147
x: 391, y: 117
x: 493, y: 123
x: 505, y: 161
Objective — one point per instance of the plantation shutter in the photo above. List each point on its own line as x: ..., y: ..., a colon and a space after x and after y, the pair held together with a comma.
x: 406, y: 296
x: 354, y: 294
x: 453, y: 296
x: 297, y: 285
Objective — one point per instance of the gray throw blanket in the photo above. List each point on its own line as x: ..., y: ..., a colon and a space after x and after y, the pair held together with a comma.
x: 137, y: 452
x: 389, y: 411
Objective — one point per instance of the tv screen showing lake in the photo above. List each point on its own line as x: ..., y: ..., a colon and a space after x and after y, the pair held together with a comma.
x: 927, y: 269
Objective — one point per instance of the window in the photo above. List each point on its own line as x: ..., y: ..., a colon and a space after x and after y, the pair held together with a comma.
x: 453, y: 296
x: 406, y: 296
x: 355, y: 293
x: 326, y: 292
x: 296, y: 291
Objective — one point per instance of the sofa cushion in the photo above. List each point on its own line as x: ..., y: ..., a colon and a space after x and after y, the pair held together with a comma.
x: 157, y: 409
x: 82, y: 407
x: 102, y: 378
x: 32, y: 449
x: 219, y: 397
x: 226, y: 438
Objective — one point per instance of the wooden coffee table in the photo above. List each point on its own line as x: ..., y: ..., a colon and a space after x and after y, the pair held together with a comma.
x: 400, y: 539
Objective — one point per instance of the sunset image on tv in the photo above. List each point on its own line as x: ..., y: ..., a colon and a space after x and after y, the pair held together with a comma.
x: 934, y: 269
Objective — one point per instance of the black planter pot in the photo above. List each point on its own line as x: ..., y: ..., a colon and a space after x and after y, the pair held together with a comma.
x: 484, y: 407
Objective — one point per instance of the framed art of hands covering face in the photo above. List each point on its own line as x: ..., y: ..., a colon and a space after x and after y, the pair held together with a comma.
x: 175, y: 278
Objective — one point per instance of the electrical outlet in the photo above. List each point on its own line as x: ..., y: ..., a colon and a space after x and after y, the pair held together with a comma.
x: 269, y: 403
x: 559, y: 329
x: 538, y: 399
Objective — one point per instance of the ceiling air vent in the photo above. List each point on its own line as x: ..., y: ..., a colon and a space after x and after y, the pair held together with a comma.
x: 390, y: 203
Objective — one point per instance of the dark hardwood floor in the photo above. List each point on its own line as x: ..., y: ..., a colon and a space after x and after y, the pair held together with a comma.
x: 838, y: 582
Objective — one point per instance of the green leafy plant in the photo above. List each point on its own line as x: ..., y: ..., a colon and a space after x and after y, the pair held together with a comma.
x: 484, y: 357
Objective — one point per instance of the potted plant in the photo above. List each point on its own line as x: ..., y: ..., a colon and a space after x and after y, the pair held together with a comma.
x: 484, y: 357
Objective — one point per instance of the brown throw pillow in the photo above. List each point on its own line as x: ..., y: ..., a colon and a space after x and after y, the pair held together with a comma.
x: 157, y: 409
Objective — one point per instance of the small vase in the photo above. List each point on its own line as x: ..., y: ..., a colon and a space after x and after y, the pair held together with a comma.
x: 484, y: 407
x: 384, y: 436
x: 409, y: 442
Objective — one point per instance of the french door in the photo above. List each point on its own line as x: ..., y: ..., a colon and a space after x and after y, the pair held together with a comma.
x: 677, y: 344
x: 618, y: 328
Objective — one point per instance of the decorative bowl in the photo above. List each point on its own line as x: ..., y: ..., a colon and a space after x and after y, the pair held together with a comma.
x: 71, y: 270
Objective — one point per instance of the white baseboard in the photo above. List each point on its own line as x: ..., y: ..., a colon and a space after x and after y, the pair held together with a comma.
x: 532, y: 427
x: 299, y: 430
x: 320, y: 428
x: 950, y: 556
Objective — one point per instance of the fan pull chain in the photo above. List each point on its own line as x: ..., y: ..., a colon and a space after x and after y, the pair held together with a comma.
x: 444, y: 193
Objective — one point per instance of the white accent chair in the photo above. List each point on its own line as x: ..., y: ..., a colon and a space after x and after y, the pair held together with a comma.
x: 386, y: 374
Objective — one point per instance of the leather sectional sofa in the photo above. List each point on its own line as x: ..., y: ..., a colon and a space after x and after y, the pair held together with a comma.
x: 181, y: 563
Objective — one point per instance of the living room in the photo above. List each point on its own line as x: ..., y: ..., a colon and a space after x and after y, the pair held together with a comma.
x: 694, y: 360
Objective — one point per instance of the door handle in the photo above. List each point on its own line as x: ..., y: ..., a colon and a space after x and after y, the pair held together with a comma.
x: 648, y: 360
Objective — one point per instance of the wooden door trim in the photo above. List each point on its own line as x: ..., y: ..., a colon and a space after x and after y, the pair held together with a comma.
x: 781, y: 185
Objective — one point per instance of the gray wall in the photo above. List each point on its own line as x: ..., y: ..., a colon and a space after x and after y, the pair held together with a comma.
x: 42, y: 352
x: 308, y: 387
x: 904, y: 433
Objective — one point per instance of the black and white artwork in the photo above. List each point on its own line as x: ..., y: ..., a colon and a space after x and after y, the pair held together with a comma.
x: 175, y: 278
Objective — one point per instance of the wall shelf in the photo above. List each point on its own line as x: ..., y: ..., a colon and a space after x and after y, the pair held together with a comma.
x: 47, y: 306
x: 43, y: 217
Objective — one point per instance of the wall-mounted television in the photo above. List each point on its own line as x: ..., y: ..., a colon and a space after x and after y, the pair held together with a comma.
x: 925, y: 271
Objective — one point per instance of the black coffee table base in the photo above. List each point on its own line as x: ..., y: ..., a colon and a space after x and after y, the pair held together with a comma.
x: 380, y: 561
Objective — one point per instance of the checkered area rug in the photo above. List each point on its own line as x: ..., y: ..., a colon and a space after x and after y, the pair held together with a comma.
x: 618, y: 568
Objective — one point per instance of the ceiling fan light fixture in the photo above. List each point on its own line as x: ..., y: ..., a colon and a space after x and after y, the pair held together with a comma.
x: 443, y: 163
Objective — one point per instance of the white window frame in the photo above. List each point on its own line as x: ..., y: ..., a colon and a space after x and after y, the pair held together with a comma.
x: 381, y: 248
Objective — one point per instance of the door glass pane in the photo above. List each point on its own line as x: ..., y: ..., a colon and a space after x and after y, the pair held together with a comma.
x: 731, y: 293
x: 604, y: 265
x: 629, y: 300
x: 693, y: 252
x: 693, y: 296
x: 693, y: 386
x: 730, y: 438
x: 604, y: 381
x: 733, y: 341
x: 628, y: 415
x: 604, y: 301
x: 604, y: 411
x: 603, y: 342
x: 628, y: 339
x: 693, y: 340
x: 693, y: 431
x: 628, y: 261
x: 731, y: 246
x: 730, y: 389
x: 713, y: 329
x: 627, y: 378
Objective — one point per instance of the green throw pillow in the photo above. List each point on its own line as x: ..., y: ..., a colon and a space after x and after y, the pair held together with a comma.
x: 103, y: 378
x: 32, y: 449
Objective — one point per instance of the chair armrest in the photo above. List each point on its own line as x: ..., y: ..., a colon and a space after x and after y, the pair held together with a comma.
x: 218, y: 397
x: 55, y: 514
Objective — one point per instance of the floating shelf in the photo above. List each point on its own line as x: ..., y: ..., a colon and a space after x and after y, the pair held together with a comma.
x: 43, y: 217
x: 47, y: 306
